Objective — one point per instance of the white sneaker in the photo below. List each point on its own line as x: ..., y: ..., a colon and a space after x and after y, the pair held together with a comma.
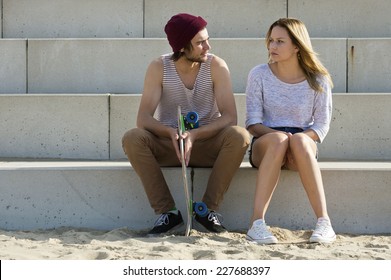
x: 323, y: 232
x: 260, y: 234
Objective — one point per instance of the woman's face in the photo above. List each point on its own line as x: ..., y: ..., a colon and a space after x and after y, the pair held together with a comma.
x: 280, y: 45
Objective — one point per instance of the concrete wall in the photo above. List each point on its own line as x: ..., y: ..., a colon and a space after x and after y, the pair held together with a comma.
x: 92, y: 195
x: 13, y: 66
x: 54, y: 126
x: 110, y: 65
x: 347, y: 18
x: 123, y: 115
x: 1, y: 19
x: 91, y: 126
x: 89, y: 65
x: 357, y: 198
x: 53, y: 48
x: 107, y: 195
x: 73, y: 126
x: 353, y: 134
x: 369, y: 65
x: 226, y: 18
x: 104, y: 65
x: 73, y: 19
x: 360, y: 128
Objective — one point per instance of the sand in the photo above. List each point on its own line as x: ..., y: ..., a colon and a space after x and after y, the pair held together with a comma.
x: 125, y: 244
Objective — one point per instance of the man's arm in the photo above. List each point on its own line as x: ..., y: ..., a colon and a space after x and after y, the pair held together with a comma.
x: 150, y: 100
x: 224, y: 98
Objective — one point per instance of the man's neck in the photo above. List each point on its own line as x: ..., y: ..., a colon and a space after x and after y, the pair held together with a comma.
x: 185, y: 65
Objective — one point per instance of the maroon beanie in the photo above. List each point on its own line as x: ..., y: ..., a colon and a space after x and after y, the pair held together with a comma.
x: 181, y: 28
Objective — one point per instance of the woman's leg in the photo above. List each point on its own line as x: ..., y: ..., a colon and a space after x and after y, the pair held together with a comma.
x: 268, y: 154
x: 303, y: 159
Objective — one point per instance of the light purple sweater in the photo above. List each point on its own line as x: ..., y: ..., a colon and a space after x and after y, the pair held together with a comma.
x: 273, y: 103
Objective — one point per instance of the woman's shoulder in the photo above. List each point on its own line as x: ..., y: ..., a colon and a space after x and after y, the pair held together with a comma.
x: 261, y: 67
x: 324, y: 82
x: 260, y: 70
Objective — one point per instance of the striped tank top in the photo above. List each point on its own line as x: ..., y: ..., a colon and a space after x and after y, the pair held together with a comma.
x: 200, y: 99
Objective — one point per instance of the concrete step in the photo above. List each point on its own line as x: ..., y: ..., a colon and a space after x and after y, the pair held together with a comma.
x: 91, y: 126
x: 55, y: 126
x: 119, y: 65
x: 108, y: 195
x: 146, y: 18
x: 352, y: 135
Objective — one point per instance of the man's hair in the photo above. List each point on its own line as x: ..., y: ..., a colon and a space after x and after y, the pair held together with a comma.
x: 177, y: 55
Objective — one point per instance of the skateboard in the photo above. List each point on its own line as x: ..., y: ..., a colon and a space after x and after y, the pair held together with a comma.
x: 187, y: 122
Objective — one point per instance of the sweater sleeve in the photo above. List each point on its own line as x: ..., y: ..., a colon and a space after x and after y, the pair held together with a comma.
x: 322, y: 112
x: 254, y: 98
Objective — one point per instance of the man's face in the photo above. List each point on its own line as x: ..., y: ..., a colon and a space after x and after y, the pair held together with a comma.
x: 200, y: 47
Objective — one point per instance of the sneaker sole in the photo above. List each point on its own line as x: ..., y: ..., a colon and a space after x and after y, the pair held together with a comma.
x: 204, y: 227
x: 322, y: 239
x: 271, y: 240
x: 167, y: 232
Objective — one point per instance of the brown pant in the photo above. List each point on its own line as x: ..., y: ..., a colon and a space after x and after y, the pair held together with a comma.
x: 148, y: 153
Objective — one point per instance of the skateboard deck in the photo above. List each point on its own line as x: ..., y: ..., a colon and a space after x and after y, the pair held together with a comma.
x: 189, y: 121
x: 189, y: 202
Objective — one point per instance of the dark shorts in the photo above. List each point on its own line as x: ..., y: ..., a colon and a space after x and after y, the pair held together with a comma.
x: 292, y: 130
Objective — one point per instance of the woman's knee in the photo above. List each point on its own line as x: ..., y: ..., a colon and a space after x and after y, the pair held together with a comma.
x: 300, y: 143
x: 277, y: 140
x: 276, y: 143
x: 273, y: 144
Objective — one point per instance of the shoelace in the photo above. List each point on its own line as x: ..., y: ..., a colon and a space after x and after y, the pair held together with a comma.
x: 262, y: 230
x: 163, y: 220
x: 322, y: 228
x: 215, y: 218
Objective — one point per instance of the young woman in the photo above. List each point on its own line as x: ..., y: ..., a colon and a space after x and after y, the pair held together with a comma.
x: 288, y: 110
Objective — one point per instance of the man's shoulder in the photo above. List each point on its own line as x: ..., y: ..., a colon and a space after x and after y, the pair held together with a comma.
x: 155, y: 69
x: 157, y: 62
x: 216, y: 61
x: 214, y: 57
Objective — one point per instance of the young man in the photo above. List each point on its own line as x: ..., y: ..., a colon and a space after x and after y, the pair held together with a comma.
x: 199, y: 82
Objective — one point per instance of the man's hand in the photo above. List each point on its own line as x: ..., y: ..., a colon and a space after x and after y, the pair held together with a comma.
x: 174, y: 138
x: 189, y: 140
x: 188, y: 144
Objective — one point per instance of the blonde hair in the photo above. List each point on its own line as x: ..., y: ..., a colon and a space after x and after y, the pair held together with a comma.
x: 308, y: 58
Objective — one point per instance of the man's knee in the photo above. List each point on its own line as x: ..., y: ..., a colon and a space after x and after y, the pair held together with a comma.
x: 239, y: 135
x: 131, y: 137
